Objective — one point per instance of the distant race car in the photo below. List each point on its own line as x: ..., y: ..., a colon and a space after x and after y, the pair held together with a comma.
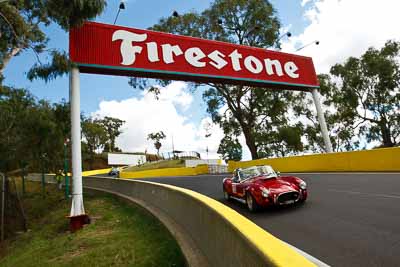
x: 114, y: 172
x: 261, y: 186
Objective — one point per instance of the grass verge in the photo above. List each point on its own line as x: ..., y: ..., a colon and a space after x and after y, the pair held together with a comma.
x: 121, y: 234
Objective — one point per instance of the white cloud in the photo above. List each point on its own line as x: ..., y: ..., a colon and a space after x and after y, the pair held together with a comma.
x: 145, y: 114
x: 345, y: 28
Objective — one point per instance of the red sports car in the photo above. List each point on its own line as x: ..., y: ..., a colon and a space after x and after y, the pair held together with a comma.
x: 261, y: 186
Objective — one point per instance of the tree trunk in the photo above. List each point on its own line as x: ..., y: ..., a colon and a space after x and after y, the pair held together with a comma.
x: 250, y: 142
x: 8, y: 57
x: 386, y: 135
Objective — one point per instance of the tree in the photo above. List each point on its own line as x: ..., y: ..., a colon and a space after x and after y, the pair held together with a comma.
x: 365, y: 93
x: 230, y: 149
x: 31, y: 131
x: 283, y: 141
x: 21, y: 23
x: 239, y: 109
x: 112, y: 127
x: 95, y: 135
x: 156, y: 138
x: 15, y: 107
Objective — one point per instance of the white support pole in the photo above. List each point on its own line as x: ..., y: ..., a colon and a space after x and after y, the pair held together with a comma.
x: 322, y: 123
x: 77, y: 207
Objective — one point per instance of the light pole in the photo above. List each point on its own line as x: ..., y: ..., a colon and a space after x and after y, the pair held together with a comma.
x: 288, y: 34
x: 121, y: 6
x: 316, y: 42
x: 66, y: 142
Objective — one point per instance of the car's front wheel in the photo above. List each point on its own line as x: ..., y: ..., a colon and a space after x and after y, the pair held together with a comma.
x: 251, y: 202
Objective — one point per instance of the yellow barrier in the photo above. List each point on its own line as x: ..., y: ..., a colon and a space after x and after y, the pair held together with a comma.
x: 241, y: 241
x: 95, y: 172
x: 199, y: 169
x: 381, y: 160
x: 274, y: 249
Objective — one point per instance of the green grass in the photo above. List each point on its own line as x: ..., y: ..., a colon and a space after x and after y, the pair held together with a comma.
x: 157, y: 165
x: 121, y: 234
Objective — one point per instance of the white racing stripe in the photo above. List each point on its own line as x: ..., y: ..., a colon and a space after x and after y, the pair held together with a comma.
x: 367, y: 194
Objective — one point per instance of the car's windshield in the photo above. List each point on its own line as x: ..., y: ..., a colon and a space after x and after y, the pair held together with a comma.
x: 256, y: 171
x: 266, y: 170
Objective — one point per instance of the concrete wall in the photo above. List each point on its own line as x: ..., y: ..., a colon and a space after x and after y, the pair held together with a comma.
x: 386, y: 159
x: 200, y: 169
x: 221, y: 235
x: 125, y: 159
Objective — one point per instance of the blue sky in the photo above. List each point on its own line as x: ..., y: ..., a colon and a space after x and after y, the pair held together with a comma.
x: 341, y: 30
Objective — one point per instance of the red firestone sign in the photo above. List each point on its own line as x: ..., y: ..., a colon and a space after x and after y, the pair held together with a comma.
x: 108, y: 49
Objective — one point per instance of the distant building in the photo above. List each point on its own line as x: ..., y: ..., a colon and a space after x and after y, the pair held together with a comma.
x: 123, y: 159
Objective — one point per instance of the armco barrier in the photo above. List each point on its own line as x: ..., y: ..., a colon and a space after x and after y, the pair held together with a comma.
x: 380, y: 160
x: 223, y: 236
x: 199, y: 169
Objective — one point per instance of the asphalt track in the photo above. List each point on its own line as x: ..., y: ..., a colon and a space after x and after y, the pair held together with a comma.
x: 348, y: 220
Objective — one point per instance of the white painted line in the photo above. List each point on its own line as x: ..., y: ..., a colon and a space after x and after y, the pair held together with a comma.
x: 367, y: 194
x: 308, y: 256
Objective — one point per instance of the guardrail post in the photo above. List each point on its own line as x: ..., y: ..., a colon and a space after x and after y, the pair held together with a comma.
x: 322, y: 122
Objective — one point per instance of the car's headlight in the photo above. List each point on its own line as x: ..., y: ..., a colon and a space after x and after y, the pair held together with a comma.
x: 264, y: 192
x: 303, y: 185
